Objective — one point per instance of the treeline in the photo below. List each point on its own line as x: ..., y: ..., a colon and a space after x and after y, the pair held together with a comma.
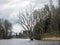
x: 41, y: 22
x: 49, y: 24
x: 5, y: 29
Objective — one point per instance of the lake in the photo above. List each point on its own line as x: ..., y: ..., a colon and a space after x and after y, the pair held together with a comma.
x: 27, y: 42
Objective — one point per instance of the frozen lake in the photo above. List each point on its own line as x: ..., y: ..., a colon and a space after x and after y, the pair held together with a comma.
x: 27, y: 42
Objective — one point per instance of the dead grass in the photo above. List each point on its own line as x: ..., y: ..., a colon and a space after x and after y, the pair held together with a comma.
x: 51, y: 38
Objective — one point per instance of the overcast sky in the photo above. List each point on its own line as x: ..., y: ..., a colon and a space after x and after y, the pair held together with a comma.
x: 9, y: 9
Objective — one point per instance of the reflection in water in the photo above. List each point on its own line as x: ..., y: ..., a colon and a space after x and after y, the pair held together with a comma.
x: 47, y: 43
x: 27, y: 42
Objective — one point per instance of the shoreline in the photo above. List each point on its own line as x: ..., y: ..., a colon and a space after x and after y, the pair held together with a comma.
x: 51, y: 38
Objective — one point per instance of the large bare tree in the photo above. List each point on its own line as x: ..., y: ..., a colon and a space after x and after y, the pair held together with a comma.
x: 27, y: 21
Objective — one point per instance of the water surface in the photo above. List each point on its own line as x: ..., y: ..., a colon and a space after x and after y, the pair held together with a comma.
x: 27, y: 42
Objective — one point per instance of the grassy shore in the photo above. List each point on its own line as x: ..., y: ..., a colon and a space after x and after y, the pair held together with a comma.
x: 51, y: 38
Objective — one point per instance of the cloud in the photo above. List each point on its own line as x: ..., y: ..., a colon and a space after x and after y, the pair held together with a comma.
x: 4, y: 1
x: 17, y: 28
x: 13, y: 4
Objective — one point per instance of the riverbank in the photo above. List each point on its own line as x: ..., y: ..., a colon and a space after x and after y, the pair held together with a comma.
x: 51, y: 38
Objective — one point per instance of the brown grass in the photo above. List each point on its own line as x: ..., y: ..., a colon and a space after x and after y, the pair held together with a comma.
x: 51, y: 38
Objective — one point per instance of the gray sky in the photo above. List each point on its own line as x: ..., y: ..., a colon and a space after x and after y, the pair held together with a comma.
x: 9, y: 9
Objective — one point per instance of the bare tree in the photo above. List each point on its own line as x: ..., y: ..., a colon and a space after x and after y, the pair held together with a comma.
x: 27, y: 21
x: 5, y: 29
